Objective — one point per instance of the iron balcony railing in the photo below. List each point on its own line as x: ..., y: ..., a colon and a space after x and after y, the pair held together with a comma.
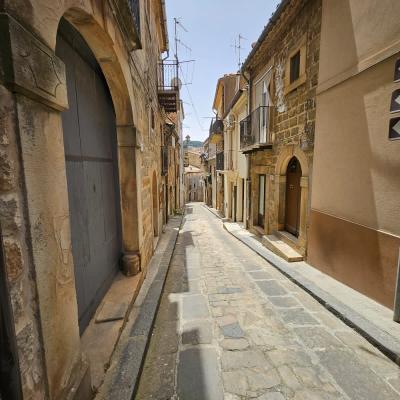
x: 254, y: 129
x: 134, y: 6
x: 127, y: 13
x: 217, y: 126
x: 168, y: 85
x: 220, y: 161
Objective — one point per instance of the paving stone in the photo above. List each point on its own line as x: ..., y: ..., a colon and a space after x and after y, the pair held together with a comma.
x: 235, y: 344
x: 317, y: 337
x: 281, y: 356
x: 194, y: 306
x: 235, y: 382
x: 198, y: 332
x: 298, y: 316
x: 232, y: 330
x: 272, y: 396
x: 198, y: 375
x: 259, y: 380
x: 260, y: 275
x: 289, y: 378
x: 252, y: 267
x: 356, y: 379
x: 228, y: 290
x: 271, y: 288
x: 243, y: 359
x: 283, y: 301
x: 315, y: 394
x: 226, y: 320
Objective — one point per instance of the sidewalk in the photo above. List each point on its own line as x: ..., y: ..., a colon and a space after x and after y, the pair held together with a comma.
x: 370, y: 319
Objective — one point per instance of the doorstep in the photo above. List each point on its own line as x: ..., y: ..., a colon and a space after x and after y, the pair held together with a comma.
x: 122, y: 377
x: 102, y: 334
x: 369, y: 318
x: 280, y: 248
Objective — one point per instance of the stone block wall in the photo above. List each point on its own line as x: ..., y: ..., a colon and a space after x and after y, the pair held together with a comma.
x: 292, y: 117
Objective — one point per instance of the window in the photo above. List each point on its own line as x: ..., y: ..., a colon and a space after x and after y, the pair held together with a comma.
x: 152, y: 119
x: 295, y: 67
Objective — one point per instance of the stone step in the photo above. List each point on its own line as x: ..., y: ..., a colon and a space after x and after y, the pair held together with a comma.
x: 280, y: 248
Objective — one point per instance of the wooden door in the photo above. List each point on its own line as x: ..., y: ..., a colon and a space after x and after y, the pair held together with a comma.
x: 90, y: 144
x: 293, y: 197
x: 261, y: 200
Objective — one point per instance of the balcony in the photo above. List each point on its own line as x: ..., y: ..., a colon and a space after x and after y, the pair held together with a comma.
x: 127, y: 13
x: 220, y: 161
x: 168, y: 86
x: 216, y: 130
x: 254, y: 130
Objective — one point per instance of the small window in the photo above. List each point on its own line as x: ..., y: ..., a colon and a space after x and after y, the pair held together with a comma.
x: 295, y: 67
x: 152, y: 119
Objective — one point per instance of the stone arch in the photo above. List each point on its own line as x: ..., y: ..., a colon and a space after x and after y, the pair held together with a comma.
x: 286, y: 155
x: 113, y: 64
x: 281, y: 166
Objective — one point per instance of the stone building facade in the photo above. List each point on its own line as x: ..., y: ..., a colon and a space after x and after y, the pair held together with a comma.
x: 278, y: 134
x: 46, y: 47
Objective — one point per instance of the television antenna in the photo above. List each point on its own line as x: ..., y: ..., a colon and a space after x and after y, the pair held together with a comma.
x: 238, y: 49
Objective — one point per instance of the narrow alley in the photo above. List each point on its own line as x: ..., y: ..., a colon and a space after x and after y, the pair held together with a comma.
x: 230, y: 326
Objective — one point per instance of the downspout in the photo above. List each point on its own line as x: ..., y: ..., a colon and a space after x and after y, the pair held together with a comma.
x: 248, y: 178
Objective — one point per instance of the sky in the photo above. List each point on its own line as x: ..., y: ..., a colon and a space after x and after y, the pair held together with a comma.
x: 212, y: 27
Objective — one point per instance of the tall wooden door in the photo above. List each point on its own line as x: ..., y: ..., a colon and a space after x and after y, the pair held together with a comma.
x: 261, y: 200
x: 293, y: 197
x: 92, y: 173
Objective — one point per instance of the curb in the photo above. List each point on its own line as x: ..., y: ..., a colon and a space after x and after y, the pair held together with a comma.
x: 385, y: 343
x: 123, y: 377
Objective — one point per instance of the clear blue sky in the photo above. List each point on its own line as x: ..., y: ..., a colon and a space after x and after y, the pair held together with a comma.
x: 212, y: 28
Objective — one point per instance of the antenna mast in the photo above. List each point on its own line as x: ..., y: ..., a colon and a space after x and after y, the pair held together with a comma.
x: 238, y: 47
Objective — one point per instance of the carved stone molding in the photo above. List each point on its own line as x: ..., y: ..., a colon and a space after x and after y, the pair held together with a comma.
x: 29, y: 67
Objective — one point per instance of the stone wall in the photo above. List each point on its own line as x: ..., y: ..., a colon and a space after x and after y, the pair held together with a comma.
x: 34, y: 209
x: 292, y: 123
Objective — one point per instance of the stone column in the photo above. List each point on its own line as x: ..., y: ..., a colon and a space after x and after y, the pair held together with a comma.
x: 129, y: 200
x: 37, y: 77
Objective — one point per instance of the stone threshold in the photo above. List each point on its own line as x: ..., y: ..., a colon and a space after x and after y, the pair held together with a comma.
x: 370, y: 319
x: 123, y: 375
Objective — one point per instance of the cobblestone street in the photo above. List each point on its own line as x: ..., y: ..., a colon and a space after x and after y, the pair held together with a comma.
x: 230, y: 326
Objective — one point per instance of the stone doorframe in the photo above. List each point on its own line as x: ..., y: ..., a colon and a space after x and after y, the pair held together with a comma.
x: 36, y: 78
x: 281, y: 165
x: 255, y: 172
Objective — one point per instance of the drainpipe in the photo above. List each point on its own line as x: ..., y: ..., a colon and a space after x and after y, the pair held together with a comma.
x: 246, y: 217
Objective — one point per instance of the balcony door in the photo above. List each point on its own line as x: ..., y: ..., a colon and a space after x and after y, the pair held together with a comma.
x: 261, y: 200
x: 262, y: 102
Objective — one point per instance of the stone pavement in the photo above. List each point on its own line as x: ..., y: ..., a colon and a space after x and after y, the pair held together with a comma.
x: 230, y: 326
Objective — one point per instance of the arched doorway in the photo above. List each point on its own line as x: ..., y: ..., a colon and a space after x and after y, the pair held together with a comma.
x: 155, y: 205
x: 90, y: 144
x: 293, y: 197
